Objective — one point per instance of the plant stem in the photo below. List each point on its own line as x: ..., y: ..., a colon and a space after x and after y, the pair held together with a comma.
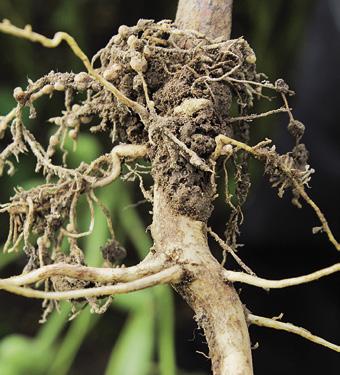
x: 218, y: 309
x: 210, y: 17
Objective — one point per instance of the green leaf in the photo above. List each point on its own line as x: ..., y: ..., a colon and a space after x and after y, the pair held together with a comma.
x: 70, y: 346
x: 50, y: 331
x: 132, y: 223
x: 88, y: 149
x: 133, y: 351
x: 20, y: 355
x: 166, y: 330
x: 7, y: 102
x: 7, y: 258
x: 133, y: 301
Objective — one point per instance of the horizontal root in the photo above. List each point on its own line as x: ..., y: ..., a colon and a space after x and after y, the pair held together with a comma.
x: 288, y: 327
x: 256, y: 116
x: 278, y: 284
x: 94, y: 274
x: 169, y: 275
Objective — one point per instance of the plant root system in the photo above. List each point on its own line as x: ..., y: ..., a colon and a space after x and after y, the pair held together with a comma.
x: 184, y: 103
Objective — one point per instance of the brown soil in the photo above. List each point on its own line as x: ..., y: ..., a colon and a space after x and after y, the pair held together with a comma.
x: 173, y: 76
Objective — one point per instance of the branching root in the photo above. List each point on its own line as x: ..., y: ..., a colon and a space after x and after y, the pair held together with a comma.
x: 288, y: 327
x: 278, y: 284
x: 284, y: 171
x: 169, y: 275
x: 100, y: 275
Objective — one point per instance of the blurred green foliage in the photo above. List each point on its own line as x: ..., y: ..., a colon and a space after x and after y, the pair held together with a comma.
x: 145, y: 343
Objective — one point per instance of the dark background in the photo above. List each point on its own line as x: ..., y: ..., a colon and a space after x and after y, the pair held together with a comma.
x: 296, y: 40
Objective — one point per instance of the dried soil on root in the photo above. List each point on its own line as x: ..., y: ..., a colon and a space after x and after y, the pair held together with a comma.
x: 183, y: 78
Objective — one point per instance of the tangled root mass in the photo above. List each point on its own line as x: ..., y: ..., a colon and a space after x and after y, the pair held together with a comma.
x: 189, y: 85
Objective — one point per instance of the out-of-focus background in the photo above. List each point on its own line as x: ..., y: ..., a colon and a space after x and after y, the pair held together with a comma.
x: 153, y: 332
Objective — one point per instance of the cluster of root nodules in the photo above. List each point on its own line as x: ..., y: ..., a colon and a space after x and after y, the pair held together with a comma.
x: 186, y: 85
